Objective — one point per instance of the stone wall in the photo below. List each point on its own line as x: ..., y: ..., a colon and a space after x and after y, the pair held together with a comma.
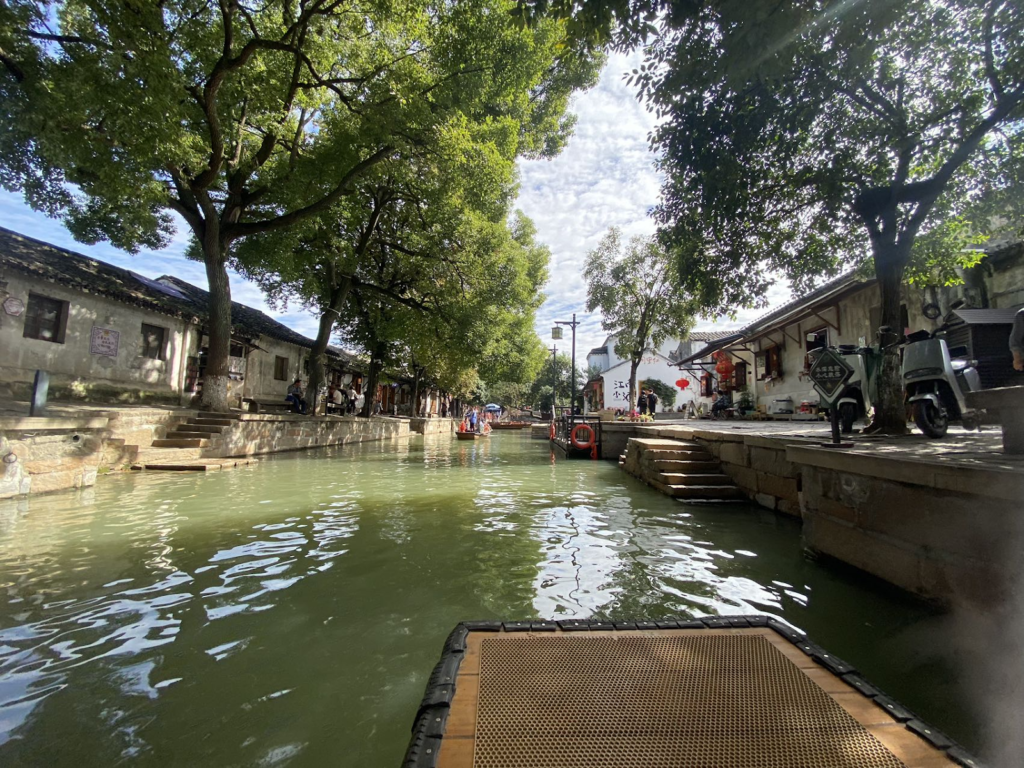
x: 431, y: 426
x: 39, y: 455
x: 951, y: 533
x: 758, y: 466
x: 263, y: 433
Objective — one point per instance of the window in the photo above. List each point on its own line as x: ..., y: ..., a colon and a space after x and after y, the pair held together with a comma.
x: 154, y: 339
x: 768, y: 364
x: 819, y: 341
x: 236, y: 350
x: 281, y: 368
x: 46, y: 319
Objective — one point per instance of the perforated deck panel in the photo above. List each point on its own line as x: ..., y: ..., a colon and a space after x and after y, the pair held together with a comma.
x: 652, y: 702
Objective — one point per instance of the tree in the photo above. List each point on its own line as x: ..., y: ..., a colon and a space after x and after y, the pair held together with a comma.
x: 636, y: 290
x: 252, y: 118
x: 554, y: 382
x: 795, y: 137
x: 665, y: 392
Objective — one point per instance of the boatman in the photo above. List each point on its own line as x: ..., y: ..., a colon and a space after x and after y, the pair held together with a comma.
x: 1017, y: 341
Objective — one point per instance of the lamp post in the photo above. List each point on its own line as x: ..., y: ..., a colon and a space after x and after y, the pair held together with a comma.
x: 572, y: 324
x: 554, y: 379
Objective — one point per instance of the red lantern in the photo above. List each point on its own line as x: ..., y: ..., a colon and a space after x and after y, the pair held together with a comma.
x: 685, y: 383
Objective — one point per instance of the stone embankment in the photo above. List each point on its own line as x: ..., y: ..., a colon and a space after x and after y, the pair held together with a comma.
x: 40, y: 455
x: 939, y: 519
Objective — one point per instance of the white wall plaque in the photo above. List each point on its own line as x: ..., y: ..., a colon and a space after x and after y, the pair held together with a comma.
x: 14, y: 306
x: 104, y: 341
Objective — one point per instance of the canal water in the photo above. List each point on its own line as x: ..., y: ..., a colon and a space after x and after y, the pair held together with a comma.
x: 289, y: 613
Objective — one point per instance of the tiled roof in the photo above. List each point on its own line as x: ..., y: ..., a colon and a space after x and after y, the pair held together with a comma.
x: 709, y: 335
x: 246, y: 320
x: 167, y: 295
x: 598, y: 351
x: 57, y: 265
x: 714, y: 346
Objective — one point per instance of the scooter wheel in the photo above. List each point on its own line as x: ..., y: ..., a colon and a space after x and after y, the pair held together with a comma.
x: 930, y: 419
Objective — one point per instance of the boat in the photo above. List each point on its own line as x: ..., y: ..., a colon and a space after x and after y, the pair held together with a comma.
x: 510, y: 424
x: 715, y: 690
x: 468, y: 435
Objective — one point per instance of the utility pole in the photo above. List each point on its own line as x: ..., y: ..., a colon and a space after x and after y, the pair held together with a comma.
x: 572, y: 324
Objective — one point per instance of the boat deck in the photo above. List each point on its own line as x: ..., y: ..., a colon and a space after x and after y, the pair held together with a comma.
x: 589, y: 695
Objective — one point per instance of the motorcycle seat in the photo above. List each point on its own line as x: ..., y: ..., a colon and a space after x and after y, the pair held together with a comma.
x: 847, y: 349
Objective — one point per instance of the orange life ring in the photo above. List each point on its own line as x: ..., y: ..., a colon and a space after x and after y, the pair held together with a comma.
x: 575, y: 438
x: 551, y: 432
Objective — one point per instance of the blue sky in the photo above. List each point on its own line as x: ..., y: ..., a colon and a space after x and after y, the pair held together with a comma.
x: 604, y: 178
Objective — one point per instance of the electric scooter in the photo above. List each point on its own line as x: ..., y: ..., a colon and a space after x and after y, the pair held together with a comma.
x: 860, y: 392
x: 935, y: 378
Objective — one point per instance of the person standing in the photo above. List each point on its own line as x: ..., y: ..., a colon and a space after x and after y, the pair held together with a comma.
x: 1017, y: 340
x: 641, y: 402
x: 652, y: 402
x: 350, y: 396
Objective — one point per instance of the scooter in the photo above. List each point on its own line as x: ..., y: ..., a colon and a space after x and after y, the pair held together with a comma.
x: 860, y: 392
x: 935, y: 378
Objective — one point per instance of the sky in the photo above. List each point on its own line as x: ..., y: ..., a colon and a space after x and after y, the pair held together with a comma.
x: 605, y: 177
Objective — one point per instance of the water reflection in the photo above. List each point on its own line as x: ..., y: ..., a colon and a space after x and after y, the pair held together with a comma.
x: 289, y: 611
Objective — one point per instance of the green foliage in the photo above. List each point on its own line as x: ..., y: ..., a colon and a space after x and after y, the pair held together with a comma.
x: 640, y: 300
x: 555, y: 379
x: 250, y: 119
x: 666, y: 393
x: 796, y: 137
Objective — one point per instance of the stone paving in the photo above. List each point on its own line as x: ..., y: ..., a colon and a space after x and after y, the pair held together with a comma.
x: 959, y: 447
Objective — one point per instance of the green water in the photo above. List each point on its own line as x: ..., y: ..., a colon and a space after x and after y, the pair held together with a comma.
x: 288, y: 613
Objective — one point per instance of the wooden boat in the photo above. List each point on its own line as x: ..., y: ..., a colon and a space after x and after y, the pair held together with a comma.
x: 467, y: 435
x: 736, y: 690
x: 510, y: 425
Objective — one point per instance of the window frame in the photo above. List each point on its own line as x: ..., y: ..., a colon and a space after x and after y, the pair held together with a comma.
x: 162, y: 348
x: 281, y: 370
x: 63, y: 310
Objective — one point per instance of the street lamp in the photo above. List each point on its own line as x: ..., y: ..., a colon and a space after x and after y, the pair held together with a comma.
x: 554, y: 379
x: 572, y: 324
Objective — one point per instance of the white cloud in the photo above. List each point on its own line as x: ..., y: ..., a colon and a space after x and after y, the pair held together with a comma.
x: 604, y: 178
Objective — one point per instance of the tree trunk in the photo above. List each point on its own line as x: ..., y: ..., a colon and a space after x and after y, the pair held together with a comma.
x: 633, y: 365
x: 370, y: 385
x: 417, y: 373
x: 218, y: 324
x: 318, y: 355
x: 890, y: 411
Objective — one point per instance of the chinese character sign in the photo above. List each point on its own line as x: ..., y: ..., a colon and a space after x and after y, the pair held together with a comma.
x: 104, y: 341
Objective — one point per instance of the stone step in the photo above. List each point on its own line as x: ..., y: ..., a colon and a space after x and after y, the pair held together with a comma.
x: 699, y: 491
x: 691, y: 454
x: 219, y: 415
x: 198, y: 465
x: 204, y: 422
x: 687, y: 467
x: 164, y: 455
x: 695, y: 478
x: 194, y: 425
x: 170, y: 442
x: 711, y: 502
x: 184, y: 433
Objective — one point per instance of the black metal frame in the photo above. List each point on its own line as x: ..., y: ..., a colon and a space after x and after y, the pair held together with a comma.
x: 432, y: 715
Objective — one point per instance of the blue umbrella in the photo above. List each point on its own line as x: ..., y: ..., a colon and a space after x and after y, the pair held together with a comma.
x: 492, y: 407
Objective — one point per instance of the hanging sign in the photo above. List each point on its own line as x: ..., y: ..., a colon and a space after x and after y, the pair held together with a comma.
x: 104, y: 341
x: 829, y: 373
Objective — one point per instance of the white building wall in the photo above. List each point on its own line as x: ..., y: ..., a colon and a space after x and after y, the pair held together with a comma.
x: 616, y: 381
x: 73, y: 365
x: 259, y: 369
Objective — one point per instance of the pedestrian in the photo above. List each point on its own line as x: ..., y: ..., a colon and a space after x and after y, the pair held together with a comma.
x: 1017, y: 340
x: 444, y: 408
x: 295, y: 397
x: 350, y: 397
x: 641, y: 402
x: 652, y: 401
x: 359, y: 403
